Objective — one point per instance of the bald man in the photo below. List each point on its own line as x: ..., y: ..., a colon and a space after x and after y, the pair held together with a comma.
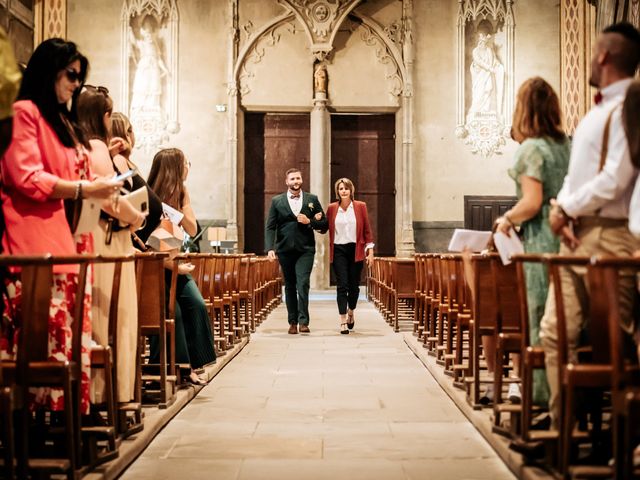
x: 592, y: 208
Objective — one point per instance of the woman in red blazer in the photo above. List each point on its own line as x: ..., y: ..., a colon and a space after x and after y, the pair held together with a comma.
x: 351, y: 241
x: 45, y: 163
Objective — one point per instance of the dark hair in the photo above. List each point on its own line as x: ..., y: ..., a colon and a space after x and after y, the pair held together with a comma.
x: 292, y: 170
x: 537, y: 113
x: 631, y: 121
x: 93, y: 103
x: 628, y: 57
x: 38, y: 85
x: 166, y: 176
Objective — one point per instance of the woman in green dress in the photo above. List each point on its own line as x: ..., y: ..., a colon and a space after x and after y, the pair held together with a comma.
x: 540, y: 165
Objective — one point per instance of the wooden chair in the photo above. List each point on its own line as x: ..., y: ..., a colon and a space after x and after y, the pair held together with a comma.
x: 484, y: 310
x: 625, y: 379
x: 402, y: 290
x: 153, y: 320
x: 8, y: 450
x: 33, y: 368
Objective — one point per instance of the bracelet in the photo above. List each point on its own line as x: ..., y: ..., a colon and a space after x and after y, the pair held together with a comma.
x: 506, y: 216
x: 78, y: 192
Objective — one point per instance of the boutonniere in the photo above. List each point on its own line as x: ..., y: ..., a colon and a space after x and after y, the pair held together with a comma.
x: 310, y: 205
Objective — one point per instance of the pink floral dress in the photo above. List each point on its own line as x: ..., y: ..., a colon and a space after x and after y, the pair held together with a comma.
x: 60, y: 318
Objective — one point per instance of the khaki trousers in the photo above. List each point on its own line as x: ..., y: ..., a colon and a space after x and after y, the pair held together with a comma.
x: 598, y: 236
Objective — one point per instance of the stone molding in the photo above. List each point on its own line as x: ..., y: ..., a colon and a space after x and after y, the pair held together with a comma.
x: 50, y: 19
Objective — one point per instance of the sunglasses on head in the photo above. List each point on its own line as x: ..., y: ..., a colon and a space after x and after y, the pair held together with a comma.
x: 73, y: 76
x: 99, y: 89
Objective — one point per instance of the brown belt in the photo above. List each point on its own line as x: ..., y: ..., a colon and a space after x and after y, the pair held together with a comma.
x: 597, y: 221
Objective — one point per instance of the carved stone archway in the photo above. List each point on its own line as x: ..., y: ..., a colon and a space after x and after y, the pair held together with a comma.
x: 320, y: 31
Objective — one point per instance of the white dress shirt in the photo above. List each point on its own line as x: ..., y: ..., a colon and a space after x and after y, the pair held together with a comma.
x: 634, y: 210
x: 586, y: 191
x: 346, y: 227
x: 295, y: 203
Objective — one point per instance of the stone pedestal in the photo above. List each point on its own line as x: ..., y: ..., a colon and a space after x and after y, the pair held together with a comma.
x: 320, y: 177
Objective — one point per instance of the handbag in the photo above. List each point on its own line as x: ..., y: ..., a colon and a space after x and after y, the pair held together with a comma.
x: 139, y: 199
x: 82, y: 214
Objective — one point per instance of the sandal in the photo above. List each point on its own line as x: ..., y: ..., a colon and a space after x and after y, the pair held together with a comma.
x: 350, y: 322
x: 343, y: 328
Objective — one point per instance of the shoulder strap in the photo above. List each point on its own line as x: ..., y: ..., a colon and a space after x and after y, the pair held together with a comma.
x: 604, y: 151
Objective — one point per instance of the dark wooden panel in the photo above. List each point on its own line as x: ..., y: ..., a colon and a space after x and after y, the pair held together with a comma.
x: 273, y: 144
x: 363, y: 150
x: 480, y: 211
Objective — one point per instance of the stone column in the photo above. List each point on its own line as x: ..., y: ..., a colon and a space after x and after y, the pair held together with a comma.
x: 404, y: 168
x: 232, y: 125
x: 320, y: 177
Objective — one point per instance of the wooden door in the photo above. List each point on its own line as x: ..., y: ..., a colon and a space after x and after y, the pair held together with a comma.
x: 480, y: 211
x: 363, y: 150
x: 273, y: 144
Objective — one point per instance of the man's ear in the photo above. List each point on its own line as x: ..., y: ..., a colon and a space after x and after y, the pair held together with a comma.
x: 603, y: 56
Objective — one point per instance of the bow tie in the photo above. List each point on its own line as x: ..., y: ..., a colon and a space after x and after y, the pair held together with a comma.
x: 292, y: 196
x: 597, y: 98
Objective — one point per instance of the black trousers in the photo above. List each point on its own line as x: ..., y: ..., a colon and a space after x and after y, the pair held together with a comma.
x: 348, y: 273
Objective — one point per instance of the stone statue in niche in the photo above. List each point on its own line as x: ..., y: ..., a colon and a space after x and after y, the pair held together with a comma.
x: 487, y: 78
x: 150, y: 69
x: 320, y: 79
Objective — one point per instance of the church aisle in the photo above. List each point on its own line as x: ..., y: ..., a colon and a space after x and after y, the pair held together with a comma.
x: 321, y: 406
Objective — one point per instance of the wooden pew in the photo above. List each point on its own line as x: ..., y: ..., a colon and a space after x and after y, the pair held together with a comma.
x: 33, y: 368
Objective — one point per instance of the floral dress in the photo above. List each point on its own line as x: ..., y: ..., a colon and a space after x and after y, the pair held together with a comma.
x: 547, y: 161
x: 60, y: 319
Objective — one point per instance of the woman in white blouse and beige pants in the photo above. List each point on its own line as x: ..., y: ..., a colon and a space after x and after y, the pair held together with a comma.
x: 351, y: 241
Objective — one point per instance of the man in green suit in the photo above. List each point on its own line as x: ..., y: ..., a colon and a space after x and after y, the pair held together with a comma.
x: 293, y: 217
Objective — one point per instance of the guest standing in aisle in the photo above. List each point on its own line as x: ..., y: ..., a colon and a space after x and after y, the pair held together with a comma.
x: 350, y: 242
x: 293, y: 217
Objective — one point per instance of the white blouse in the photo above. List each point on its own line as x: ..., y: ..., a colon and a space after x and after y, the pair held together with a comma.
x: 346, y: 230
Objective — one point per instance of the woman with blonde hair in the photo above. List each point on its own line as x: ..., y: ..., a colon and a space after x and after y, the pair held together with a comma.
x: 122, y: 141
x: 350, y: 242
x: 540, y: 165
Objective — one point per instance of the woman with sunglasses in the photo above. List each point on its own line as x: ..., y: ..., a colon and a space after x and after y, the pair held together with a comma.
x: 46, y: 163
x: 112, y: 237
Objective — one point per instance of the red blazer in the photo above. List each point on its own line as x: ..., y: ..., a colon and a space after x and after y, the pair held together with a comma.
x: 363, y: 228
x: 35, y: 160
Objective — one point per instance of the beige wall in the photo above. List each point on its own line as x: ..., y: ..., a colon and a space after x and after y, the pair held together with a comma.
x: 203, y: 41
x: 444, y: 169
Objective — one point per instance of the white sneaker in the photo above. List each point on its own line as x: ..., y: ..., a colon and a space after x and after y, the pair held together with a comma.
x: 514, y: 394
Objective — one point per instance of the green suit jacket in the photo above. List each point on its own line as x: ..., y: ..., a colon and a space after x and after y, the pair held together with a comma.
x: 283, y: 233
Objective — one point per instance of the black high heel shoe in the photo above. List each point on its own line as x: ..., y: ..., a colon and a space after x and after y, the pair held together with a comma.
x: 350, y: 320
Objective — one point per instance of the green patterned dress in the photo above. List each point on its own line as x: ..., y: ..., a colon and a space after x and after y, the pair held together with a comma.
x: 547, y: 161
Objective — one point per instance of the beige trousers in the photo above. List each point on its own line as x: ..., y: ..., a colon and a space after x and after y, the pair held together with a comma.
x: 598, y: 236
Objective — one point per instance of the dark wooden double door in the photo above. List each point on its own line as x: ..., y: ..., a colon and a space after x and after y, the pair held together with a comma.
x: 362, y: 149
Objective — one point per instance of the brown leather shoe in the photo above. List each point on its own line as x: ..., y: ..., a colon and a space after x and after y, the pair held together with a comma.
x: 293, y: 329
x: 304, y: 329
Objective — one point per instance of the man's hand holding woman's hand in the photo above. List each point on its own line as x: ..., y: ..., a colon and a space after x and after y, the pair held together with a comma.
x: 303, y: 219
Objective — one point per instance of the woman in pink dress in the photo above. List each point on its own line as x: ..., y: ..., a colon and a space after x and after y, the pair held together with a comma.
x: 45, y: 163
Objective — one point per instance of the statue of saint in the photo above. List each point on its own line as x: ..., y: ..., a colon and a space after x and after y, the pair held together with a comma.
x: 320, y: 79
x: 487, y: 78
x: 150, y: 68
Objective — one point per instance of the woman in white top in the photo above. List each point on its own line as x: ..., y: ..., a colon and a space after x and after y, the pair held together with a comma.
x: 351, y: 241
x: 631, y: 123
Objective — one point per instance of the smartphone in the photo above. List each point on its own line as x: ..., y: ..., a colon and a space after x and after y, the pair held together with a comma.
x: 124, y: 176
